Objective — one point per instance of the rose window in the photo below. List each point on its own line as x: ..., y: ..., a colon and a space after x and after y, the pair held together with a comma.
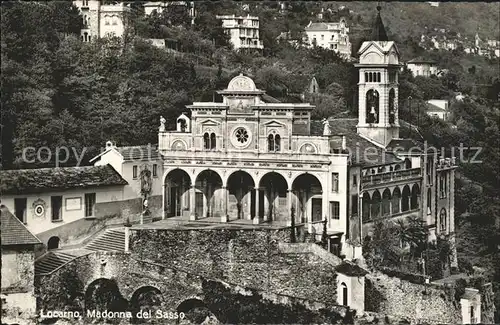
x: 241, y: 135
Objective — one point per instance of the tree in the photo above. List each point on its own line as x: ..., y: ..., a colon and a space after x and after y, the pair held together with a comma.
x: 177, y: 15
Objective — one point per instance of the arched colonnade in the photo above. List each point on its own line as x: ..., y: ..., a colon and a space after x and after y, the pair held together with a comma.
x: 243, y: 194
x: 389, y: 201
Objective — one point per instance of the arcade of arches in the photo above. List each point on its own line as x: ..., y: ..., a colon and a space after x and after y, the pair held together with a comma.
x: 240, y: 197
x: 376, y: 204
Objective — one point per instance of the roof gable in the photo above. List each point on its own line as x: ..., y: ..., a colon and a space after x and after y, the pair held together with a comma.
x: 109, y: 149
x: 139, y: 153
x: 14, y: 232
x: 378, y: 46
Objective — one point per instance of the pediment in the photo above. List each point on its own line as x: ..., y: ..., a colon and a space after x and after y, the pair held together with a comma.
x: 210, y: 122
x: 274, y: 124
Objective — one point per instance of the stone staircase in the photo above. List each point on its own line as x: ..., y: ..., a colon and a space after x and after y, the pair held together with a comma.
x: 110, y: 240
x: 309, y: 248
x: 55, y: 259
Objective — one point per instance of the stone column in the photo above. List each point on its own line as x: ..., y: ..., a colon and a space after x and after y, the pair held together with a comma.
x: 451, y: 216
x: 266, y: 204
x: 256, y: 218
x: 289, y: 207
x: 362, y: 100
x: 164, y: 188
x: 224, y: 216
x: 249, y: 204
x: 192, y: 202
x: 127, y: 236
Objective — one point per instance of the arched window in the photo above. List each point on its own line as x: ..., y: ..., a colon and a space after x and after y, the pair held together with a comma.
x: 372, y: 106
x: 85, y: 36
x: 442, y: 220
x: 397, y: 167
x: 344, y: 294
x: 392, y: 107
x: 365, y: 202
x: 429, y: 201
x: 396, y: 200
x: 53, y: 243
x: 106, y: 20
x: 415, y: 197
x: 277, y: 142
x: 366, y: 76
x: 115, y: 20
x: 375, y: 205
x: 379, y: 79
x: 386, y: 203
x: 407, y: 163
x: 274, y: 142
x: 209, y: 141
x: 206, y: 140
x: 370, y: 77
x: 405, y: 202
x: 89, y: 38
x: 212, y: 141
x: 270, y: 142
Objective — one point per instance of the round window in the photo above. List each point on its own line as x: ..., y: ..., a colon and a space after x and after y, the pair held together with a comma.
x: 39, y: 210
x: 241, y: 135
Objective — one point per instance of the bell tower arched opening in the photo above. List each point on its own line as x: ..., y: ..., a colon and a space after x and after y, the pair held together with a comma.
x: 372, y: 105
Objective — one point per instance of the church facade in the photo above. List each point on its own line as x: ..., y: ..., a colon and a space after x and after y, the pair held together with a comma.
x: 253, y: 158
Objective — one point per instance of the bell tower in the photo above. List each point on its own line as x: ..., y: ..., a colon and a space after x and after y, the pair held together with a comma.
x: 378, y: 86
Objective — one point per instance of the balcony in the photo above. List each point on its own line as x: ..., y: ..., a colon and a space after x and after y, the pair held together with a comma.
x: 253, y: 157
x: 446, y: 163
x: 394, y: 176
x: 368, y: 219
x: 259, y: 45
x: 303, y: 144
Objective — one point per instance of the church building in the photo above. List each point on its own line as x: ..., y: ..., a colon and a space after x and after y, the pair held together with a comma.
x: 253, y: 158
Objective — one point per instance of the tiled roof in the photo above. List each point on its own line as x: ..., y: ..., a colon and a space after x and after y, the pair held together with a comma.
x: 322, y: 26
x: 269, y: 99
x: 420, y: 60
x: 383, y: 46
x: 24, y: 181
x: 404, y: 145
x: 14, y: 232
x: 378, y: 30
x: 434, y: 108
x: 356, y: 144
x: 145, y: 152
x: 350, y: 269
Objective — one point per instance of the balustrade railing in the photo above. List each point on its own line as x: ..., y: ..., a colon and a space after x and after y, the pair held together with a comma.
x: 391, y: 176
x: 446, y: 163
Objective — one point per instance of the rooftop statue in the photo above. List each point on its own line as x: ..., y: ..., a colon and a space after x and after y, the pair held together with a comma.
x: 326, y: 127
x: 162, y: 124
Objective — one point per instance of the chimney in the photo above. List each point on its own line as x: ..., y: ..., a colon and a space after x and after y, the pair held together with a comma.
x: 109, y: 144
x: 344, y: 145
